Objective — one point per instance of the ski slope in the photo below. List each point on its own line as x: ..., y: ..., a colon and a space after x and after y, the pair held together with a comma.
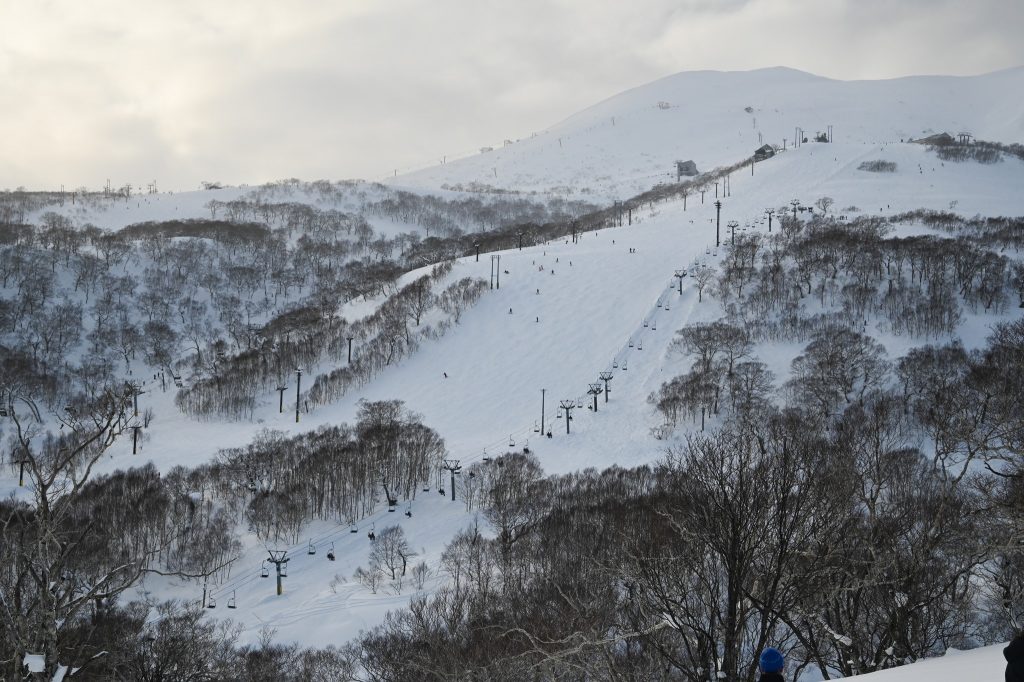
x: 594, y: 299
x: 565, y: 312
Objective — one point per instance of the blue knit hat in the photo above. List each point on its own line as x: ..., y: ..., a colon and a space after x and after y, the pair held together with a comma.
x: 772, y: 660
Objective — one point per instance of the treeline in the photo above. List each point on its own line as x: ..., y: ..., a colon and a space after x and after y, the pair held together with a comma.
x: 822, y: 273
x: 275, y: 484
x: 823, y: 282
x: 982, y: 151
x: 81, y: 540
x: 305, y: 339
x: 452, y: 217
x: 207, y: 302
x: 220, y: 230
x: 841, y: 536
x: 392, y: 338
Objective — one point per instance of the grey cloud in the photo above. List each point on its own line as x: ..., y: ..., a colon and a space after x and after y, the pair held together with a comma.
x: 258, y: 90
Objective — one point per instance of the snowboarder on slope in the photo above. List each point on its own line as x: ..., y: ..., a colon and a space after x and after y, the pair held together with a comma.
x: 771, y: 664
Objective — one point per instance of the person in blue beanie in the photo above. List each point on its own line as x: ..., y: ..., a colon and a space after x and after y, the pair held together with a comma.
x: 772, y: 663
x: 1014, y: 655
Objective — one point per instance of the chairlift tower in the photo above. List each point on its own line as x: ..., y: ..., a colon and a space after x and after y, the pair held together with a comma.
x: 543, y: 393
x: 136, y: 390
x: 452, y: 466
x: 718, y: 222
x: 568, y: 406
x: 135, y: 438
x: 769, y: 212
x: 794, y: 203
x: 732, y: 225
x: 606, y: 376
x: 279, y: 557
x: 22, y: 461
x: 495, y: 271
x: 595, y: 390
x: 679, y: 274
x: 298, y: 391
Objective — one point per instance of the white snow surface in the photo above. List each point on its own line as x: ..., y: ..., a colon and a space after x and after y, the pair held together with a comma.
x: 627, y: 143
x: 593, y: 300
x: 984, y: 664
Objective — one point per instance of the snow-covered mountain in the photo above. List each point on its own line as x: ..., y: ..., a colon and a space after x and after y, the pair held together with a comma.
x: 566, y: 310
x: 631, y: 141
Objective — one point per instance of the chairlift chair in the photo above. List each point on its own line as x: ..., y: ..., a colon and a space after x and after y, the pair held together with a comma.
x: 330, y: 553
x: 212, y: 604
x: 284, y: 570
x: 640, y: 346
x: 312, y: 547
x: 630, y: 344
x: 536, y: 429
x: 264, y: 571
x: 511, y: 441
x: 408, y: 511
x: 231, y: 602
x: 354, y: 530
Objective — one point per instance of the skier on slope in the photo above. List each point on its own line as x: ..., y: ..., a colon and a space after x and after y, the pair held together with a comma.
x: 772, y: 663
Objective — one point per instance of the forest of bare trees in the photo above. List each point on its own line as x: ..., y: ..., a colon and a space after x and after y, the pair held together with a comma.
x: 862, y: 514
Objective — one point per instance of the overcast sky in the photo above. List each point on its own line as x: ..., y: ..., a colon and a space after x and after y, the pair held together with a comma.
x: 249, y: 91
